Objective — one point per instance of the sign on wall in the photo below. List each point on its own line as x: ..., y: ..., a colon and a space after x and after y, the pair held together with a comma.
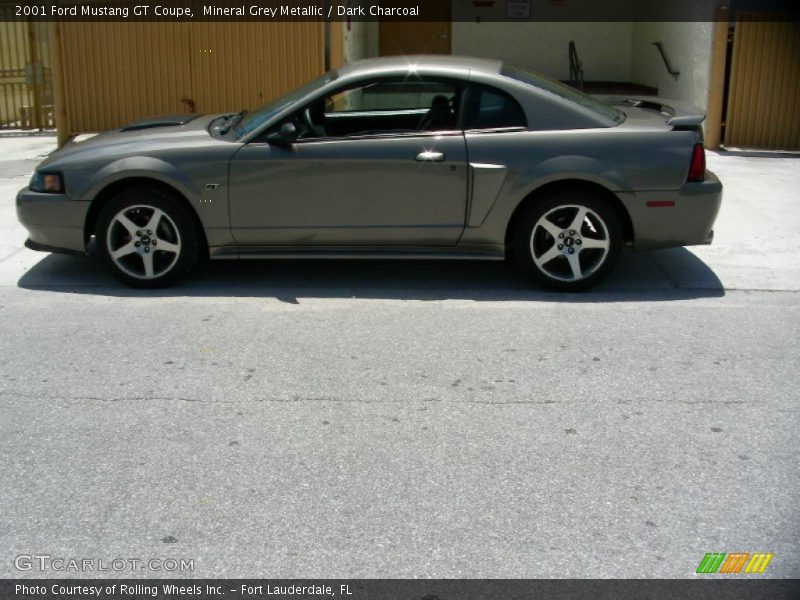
x: 518, y: 9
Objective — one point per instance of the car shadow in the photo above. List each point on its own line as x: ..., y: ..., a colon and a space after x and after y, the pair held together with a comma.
x: 663, y: 275
x: 757, y: 153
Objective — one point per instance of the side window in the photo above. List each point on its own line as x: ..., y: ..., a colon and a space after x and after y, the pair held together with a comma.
x: 400, y: 107
x: 490, y: 108
x: 389, y: 97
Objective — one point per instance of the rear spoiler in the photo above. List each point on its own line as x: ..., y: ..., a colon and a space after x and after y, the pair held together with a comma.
x: 678, y: 114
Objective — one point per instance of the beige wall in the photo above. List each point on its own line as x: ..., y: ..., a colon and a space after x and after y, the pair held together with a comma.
x: 688, y: 47
x: 360, y: 40
x: 604, y: 48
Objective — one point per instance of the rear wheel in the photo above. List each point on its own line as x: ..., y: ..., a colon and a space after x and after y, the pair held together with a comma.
x: 568, y: 241
x: 146, y: 238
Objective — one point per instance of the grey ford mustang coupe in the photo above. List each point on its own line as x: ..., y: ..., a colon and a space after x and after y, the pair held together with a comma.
x: 416, y: 157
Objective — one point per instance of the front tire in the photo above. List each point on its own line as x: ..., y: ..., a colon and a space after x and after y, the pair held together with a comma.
x: 147, y: 239
x: 567, y: 241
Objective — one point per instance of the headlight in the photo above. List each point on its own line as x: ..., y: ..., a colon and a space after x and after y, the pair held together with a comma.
x: 50, y: 183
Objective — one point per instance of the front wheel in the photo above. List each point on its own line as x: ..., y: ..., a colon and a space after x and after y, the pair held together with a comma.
x: 568, y: 241
x: 146, y: 238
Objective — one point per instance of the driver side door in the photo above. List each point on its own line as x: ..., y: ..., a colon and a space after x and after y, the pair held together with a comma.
x: 368, y: 169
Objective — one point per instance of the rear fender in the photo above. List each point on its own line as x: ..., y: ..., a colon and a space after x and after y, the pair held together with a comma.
x: 575, y: 167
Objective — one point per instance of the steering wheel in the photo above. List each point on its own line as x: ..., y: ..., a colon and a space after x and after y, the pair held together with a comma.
x: 307, y: 118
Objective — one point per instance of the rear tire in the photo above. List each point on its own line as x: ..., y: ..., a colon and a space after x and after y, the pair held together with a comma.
x: 567, y: 241
x: 147, y: 238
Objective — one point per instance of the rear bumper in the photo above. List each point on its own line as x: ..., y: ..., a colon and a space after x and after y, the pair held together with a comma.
x: 54, y: 222
x: 676, y: 218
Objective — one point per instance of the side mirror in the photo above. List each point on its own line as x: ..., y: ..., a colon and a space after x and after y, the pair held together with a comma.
x: 287, y: 133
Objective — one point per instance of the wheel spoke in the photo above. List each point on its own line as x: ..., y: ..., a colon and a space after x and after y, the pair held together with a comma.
x: 590, y: 244
x: 127, y: 224
x: 125, y: 250
x: 550, y: 227
x: 168, y: 246
x: 147, y: 259
x: 580, y: 217
x: 155, y: 219
x: 545, y: 258
x: 575, y: 265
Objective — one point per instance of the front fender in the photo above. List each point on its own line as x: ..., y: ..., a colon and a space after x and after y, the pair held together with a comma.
x: 136, y: 166
x: 209, y: 205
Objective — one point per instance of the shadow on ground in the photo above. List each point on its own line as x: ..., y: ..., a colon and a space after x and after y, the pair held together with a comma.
x: 756, y: 153
x: 663, y: 275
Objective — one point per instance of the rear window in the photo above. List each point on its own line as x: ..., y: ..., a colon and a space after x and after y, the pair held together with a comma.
x: 491, y: 108
x: 564, y: 91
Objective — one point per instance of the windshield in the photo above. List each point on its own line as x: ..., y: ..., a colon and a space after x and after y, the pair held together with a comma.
x: 565, y: 91
x: 255, y: 119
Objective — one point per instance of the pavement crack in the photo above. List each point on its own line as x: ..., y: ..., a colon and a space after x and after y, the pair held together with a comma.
x: 150, y: 398
x: 509, y: 402
x: 299, y: 399
x: 102, y: 398
x: 691, y: 402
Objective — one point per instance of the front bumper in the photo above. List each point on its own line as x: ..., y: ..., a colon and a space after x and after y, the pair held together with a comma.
x: 54, y: 222
x: 676, y: 218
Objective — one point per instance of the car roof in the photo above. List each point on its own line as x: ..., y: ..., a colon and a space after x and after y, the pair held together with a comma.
x: 425, y: 62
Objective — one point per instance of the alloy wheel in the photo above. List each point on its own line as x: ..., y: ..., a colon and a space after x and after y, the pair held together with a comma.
x: 569, y: 243
x: 143, y: 242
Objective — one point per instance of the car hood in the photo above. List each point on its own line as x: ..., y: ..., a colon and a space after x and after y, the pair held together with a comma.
x: 147, y: 135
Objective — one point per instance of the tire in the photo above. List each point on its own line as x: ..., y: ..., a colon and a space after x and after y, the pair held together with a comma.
x: 556, y: 252
x: 147, y: 238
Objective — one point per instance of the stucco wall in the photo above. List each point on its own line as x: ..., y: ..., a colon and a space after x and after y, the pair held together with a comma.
x: 688, y: 47
x: 604, y: 48
x: 360, y: 40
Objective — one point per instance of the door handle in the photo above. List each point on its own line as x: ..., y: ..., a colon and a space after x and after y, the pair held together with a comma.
x: 428, y: 156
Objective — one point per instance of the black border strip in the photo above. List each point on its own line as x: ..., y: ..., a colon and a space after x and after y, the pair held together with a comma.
x: 458, y: 11
x: 742, y: 588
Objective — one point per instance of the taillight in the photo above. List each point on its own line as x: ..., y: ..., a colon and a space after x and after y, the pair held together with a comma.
x: 697, y: 169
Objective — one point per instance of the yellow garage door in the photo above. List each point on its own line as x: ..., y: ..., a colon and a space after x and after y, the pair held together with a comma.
x: 244, y: 65
x: 764, y: 90
x: 25, y: 92
x: 114, y: 73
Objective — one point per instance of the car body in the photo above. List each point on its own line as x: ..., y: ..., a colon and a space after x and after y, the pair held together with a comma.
x: 413, y: 157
